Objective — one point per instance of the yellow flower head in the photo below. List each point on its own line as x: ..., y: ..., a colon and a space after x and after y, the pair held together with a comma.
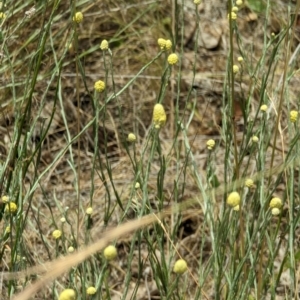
x: 210, y: 144
x: 275, y: 203
x: 5, y: 199
x: 11, y: 207
x: 173, y: 59
x: 110, y: 252
x: 264, y: 108
x: 91, y: 290
x: 131, y: 137
x: 293, y: 116
x: 159, y: 116
x: 137, y: 185
x: 255, y: 139
x: 239, y: 2
x: 78, y: 17
x: 235, y: 69
x: 56, y: 234
x: 71, y: 249
x: 168, y: 44
x: 89, y: 211
x: 197, y: 2
x: 233, y: 15
x: 240, y: 59
x: 99, y: 86
x: 275, y: 211
x: 2, y: 15
x: 249, y: 183
x: 180, y: 266
x: 161, y: 43
x: 67, y: 294
x: 235, y: 9
x: 236, y: 208
x: 104, y: 45
x: 233, y: 199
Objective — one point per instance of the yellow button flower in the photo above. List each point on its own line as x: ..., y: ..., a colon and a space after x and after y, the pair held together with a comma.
x: 89, y: 211
x: 233, y: 15
x: 78, y: 18
x: 249, y: 183
x: 110, y: 252
x: 173, y: 59
x: 275, y: 203
x: 161, y: 43
x: 233, y: 199
x: 131, y: 137
x: 56, y: 234
x: 11, y: 207
x: 67, y: 294
x: 104, y: 45
x: 235, y: 69
x: 180, y: 266
x: 197, y: 2
x: 159, y: 116
x: 99, y: 86
x: 275, y: 211
x: 210, y: 144
x: 264, y: 108
x: 91, y: 290
x: 168, y: 45
x: 293, y: 116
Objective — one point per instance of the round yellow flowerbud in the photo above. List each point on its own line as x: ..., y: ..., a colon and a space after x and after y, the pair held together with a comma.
x: 293, y: 116
x: 71, y: 249
x: 104, y: 45
x: 240, y: 59
x: 168, y: 45
x: 137, y: 185
x: 275, y: 203
x: 233, y: 15
x: 255, y: 139
x: 67, y: 294
x: 197, y: 2
x: 236, y: 208
x: 78, y: 17
x: 180, y: 266
x: 249, y: 183
x: 235, y: 69
x: 56, y: 234
x: 210, y: 144
x: 235, y: 9
x: 239, y: 2
x: 159, y: 116
x: 91, y: 290
x: 275, y: 211
x: 89, y: 211
x: 110, y: 252
x: 5, y: 199
x: 233, y: 199
x: 161, y: 43
x: 173, y: 59
x: 7, y: 229
x: 63, y: 220
x: 264, y: 108
x: 2, y: 15
x: 99, y: 86
x: 131, y: 137
x: 11, y: 207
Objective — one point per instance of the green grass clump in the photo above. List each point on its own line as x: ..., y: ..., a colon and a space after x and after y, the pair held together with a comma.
x: 149, y: 150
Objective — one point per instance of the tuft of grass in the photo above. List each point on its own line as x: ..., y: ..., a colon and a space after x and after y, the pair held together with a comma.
x: 142, y: 170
